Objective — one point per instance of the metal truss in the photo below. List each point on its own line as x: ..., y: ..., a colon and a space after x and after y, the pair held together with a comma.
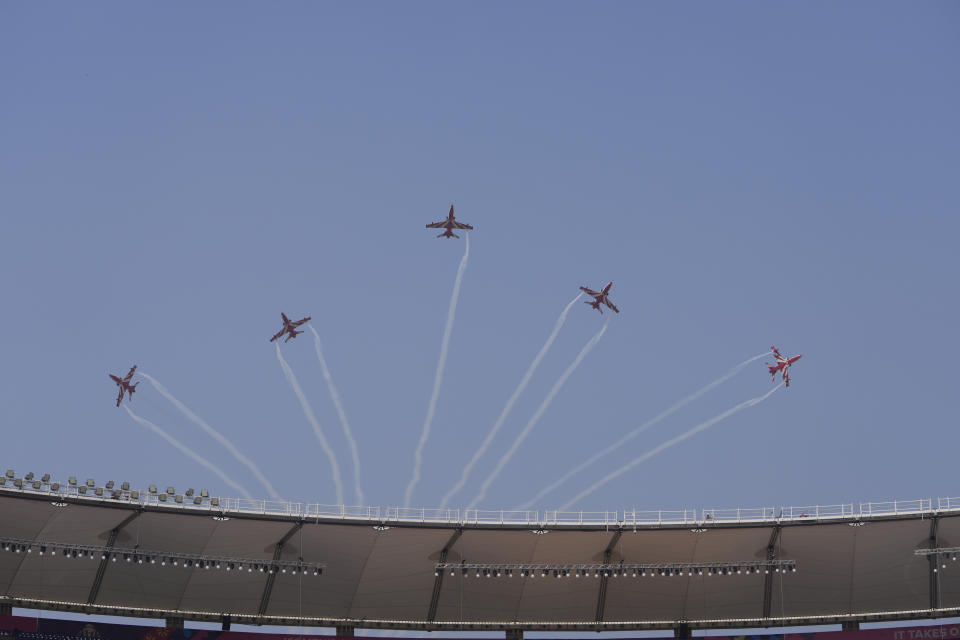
x: 161, y: 558
x: 634, y: 570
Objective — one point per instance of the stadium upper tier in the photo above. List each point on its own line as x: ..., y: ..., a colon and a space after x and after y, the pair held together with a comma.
x: 130, y: 553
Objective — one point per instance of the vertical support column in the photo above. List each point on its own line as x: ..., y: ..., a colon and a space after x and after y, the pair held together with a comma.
x: 6, y: 609
x: 345, y: 631
x: 225, y: 623
x: 682, y: 632
x: 272, y: 575
x: 933, y: 560
x: 602, y: 596
x: 438, y: 582
x: 768, y: 578
x: 514, y: 634
x: 851, y: 625
x: 105, y: 560
x: 174, y: 623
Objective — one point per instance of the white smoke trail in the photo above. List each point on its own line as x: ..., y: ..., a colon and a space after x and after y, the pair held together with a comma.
x: 213, y: 433
x: 538, y: 414
x: 189, y: 453
x: 666, y: 445
x: 643, y: 427
x: 513, y: 399
x: 312, y: 419
x: 441, y: 363
x: 347, y: 431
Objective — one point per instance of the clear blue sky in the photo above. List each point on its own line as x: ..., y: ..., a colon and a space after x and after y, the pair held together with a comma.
x: 173, y: 176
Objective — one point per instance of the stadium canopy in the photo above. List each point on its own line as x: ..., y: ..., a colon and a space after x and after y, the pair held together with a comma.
x: 135, y: 555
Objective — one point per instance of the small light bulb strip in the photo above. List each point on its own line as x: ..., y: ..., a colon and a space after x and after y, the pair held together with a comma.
x: 625, y: 570
x: 160, y: 558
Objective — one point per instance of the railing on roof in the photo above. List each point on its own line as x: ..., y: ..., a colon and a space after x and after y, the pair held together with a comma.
x: 533, y: 519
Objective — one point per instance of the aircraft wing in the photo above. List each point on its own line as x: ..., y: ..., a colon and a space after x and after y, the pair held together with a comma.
x: 611, y: 305
x: 129, y: 375
x: 114, y: 378
x: 278, y: 334
x: 776, y: 354
x: 461, y: 225
x: 299, y: 322
x: 589, y: 292
x: 786, y: 376
x: 437, y: 225
x: 120, y: 397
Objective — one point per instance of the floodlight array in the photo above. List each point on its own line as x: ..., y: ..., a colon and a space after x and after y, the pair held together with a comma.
x: 941, y: 553
x: 160, y: 558
x: 621, y: 570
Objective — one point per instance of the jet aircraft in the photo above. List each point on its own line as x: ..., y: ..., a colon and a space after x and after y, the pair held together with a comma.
x: 783, y: 365
x: 124, y: 384
x: 449, y: 225
x: 289, y: 328
x: 600, y: 297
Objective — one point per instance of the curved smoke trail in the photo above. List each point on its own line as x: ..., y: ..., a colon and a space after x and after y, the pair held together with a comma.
x: 666, y: 445
x: 441, y: 363
x: 312, y: 419
x: 335, y: 396
x: 539, y: 413
x: 513, y: 399
x: 189, y: 453
x: 213, y: 433
x: 643, y: 427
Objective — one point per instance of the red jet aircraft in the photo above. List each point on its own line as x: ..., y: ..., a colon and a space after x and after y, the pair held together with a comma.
x: 601, y: 298
x: 783, y: 364
x: 289, y: 328
x: 449, y: 224
x: 124, y: 384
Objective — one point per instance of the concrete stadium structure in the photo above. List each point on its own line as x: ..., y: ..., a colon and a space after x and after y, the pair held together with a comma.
x: 115, y: 551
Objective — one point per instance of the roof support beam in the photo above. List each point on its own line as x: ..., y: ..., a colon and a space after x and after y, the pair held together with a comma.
x: 277, y: 552
x: 438, y: 582
x: 602, y: 596
x: 768, y: 579
x: 932, y: 561
x: 102, y: 569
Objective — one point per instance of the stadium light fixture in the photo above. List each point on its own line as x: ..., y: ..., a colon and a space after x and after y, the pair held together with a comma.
x: 621, y: 570
x: 144, y: 557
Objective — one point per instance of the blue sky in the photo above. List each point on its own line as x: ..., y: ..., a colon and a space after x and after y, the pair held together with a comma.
x: 172, y: 177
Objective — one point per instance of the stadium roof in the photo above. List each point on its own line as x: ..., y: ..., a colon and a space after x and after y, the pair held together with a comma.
x: 379, y: 568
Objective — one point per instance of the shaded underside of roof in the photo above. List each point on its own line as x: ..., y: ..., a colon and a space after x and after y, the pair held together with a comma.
x: 385, y: 576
